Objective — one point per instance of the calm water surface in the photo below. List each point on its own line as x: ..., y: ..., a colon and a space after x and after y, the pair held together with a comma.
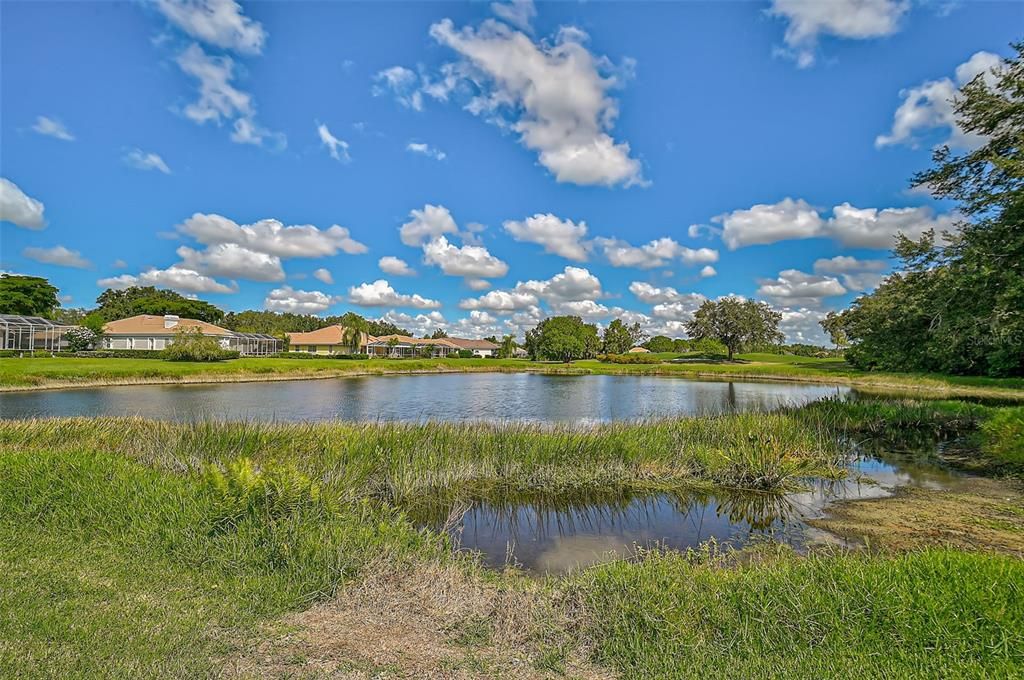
x: 458, y: 397
x: 555, y: 535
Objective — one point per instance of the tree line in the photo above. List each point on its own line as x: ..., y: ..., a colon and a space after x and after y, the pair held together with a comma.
x: 957, y: 305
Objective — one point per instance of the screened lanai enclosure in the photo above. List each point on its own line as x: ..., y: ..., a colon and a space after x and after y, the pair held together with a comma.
x: 31, y: 333
x: 254, y: 344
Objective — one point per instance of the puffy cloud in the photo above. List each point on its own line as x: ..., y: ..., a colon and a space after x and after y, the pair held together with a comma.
x: 501, y: 301
x: 219, y: 100
x: 51, y: 127
x: 19, y: 208
x: 554, y: 94
x: 381, y: 294
x: 337, y: 148
x: 470, y: 261
x: 768, y: 223
x: 852, y: 19
x: 477, y: 284
x: 324, y: 275
x: 174, y: 277
x: 420, y: 324
x: 794, y: 287
x: 519, y: 13
x: 586, y: 309
x: 856, y: 274
x: 656, y: 253
x: 233, y: 261
x: 287, y: 299
x: 573, y: 284
x: 427, y: 224
x: 929, y: 106
x: 403, y: 83
x: 874, y: 228
x: 395, y: 266
x: 271, y: 236
x: 557, y: 236
x: 217, y: 22
x: 669, y: 304
x: 853, y: 227
x: 58, y: 255
x: 801, y: 325
x: 426, y: 150
x: 708, y: 271
x: 145, y: 160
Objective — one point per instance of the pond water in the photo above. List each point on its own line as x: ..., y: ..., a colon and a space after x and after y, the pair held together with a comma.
x: 555, y: 535
x: 452, y: 397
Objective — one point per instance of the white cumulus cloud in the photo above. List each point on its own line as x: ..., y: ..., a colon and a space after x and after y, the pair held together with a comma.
x: 929, y: 106
x: 851, y: 19
x: 272, y: 237
x: 794, y: 287
x: 19, y: 208
x: 553, y: 94
x: 174, y: 277
x: 557, y: 236
x: 287, y: 299
x: 396, y: 266
x: 381, y: 294
x: 232, y: 261
x: 426, y: 224
x: 324, y: 275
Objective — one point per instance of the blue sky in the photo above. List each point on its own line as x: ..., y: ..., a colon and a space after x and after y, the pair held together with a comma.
x: 606, y: 159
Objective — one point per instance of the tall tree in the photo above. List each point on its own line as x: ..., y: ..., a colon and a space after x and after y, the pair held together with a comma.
x: 438, y: 333
x: 735, y: 323
x: 28, y: 295
x: 833, y: 325
x: 507, y: 348
x: 958, y: 305
x: 562, y: 338
x: 618, y: 338
x: 119, y: 304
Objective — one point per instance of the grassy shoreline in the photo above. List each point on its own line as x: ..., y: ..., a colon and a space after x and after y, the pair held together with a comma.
x: 132, y: 547
x: 62, y: 373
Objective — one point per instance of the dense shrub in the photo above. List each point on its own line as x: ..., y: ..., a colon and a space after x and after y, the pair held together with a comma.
x: 308, y: 355
x: 465, y: 354
x: 635, y: 358
x: 267, y: 493
x: 114, y: 354
x: 191, y: 345
x: 80, y: 339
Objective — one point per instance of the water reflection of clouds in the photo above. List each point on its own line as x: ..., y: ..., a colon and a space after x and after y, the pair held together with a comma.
x: 489, y: 397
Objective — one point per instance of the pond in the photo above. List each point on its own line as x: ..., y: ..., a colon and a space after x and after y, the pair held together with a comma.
x: 559, y: 534
x: 450, y: 397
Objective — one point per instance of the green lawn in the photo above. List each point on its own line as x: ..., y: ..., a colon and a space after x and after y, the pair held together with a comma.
x: 28, y: 373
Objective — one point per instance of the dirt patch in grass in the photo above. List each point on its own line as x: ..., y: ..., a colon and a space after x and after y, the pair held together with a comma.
x: 430, y: 621
x: 980, y: 514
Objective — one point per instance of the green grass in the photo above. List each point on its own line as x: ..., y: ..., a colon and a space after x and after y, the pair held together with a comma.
x: 131, y: 548
x: 1003, y: 437
x: 937, y: 613
x: 38, y: 372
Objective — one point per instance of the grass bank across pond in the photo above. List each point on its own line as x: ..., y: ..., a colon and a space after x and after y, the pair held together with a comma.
x: 132, y: 548
x: 43, y: 373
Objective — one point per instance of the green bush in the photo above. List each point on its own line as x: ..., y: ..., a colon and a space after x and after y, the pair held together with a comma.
x: 465, y: 354
x: 635, y: 358
x: 1003, y: 435
x: 191, y: 345
x: 113, y: 354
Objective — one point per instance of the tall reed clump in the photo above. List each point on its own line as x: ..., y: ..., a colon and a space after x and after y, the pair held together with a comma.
x: 1003, y: 436
x: 399, y: 462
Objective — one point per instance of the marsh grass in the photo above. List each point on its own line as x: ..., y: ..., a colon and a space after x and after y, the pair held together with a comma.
x: 933, y: 613
x: 133, y: 548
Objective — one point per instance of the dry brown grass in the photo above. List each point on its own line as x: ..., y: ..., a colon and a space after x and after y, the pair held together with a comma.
x: 429, y: 621
x: 980, y: 514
